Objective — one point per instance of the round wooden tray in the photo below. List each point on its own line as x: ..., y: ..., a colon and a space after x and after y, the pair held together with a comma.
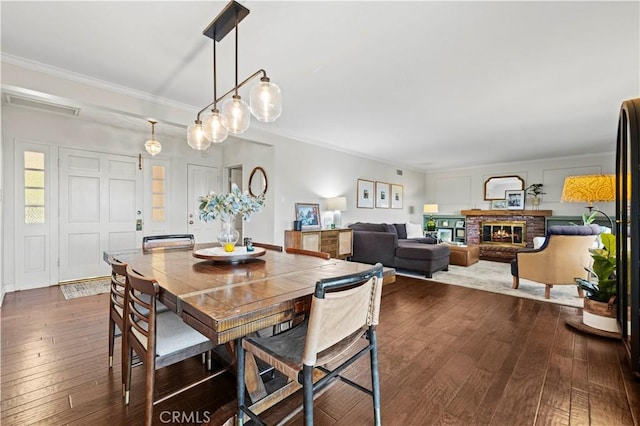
x: 218, y: 254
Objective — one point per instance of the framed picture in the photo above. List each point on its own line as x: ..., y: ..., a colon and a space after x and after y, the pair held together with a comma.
x: 499, y: 204
x: 396, y: 196
x: 515, y: 199
x: 309, y: 215
x: 365, y: 194
x: 382, y: 195
x: 445, y: 223
x: 459, y: 224
x: 460, y: 233
x: 445, y: 234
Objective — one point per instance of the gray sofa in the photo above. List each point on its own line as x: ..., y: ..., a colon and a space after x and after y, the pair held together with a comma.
x: 389, y: 245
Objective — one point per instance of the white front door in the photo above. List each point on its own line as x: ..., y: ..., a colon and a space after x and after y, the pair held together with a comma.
x: 201, y: 181
x: 100, y: 201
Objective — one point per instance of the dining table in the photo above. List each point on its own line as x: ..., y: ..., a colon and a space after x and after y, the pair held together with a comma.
x: 226, y: 296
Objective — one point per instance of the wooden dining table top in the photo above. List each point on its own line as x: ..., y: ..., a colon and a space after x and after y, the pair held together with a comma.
x: 225, y: 301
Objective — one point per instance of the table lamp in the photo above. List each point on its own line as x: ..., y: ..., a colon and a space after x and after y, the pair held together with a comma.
x: 337, y: 205
x: 590, y: 189
x: 430, y: 208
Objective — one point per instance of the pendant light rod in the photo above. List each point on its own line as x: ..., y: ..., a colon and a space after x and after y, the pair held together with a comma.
x: 252, y: 76
x: 236, y: 94
x: 215, y: 78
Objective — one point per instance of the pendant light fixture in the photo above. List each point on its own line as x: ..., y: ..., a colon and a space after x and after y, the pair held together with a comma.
x: 152, y: 146
x: 235, y: 115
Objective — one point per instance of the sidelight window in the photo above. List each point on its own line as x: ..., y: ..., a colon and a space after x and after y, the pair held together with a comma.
x: 34, y: 190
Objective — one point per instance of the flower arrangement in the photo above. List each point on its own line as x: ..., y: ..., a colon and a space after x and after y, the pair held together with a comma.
x: 226, y: 206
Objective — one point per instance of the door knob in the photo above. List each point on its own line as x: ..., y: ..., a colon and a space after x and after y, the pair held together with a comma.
x: 191, y: 215
x: 190, y: 222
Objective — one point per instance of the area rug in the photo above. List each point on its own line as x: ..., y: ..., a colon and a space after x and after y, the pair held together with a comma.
x: 496, y: 277
x: 85, y: 288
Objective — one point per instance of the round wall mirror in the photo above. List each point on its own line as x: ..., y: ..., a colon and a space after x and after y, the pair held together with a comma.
x: 258, y: 182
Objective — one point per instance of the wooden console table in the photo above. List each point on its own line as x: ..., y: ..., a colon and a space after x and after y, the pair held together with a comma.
x: 337, y: 242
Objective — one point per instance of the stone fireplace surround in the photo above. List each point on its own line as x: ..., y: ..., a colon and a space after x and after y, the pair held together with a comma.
x: 535, y: 227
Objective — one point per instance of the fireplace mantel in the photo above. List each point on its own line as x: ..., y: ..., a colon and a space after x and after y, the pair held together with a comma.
x: 506, y: 212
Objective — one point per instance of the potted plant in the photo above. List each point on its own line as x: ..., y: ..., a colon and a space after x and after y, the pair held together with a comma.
x: 600, y: 308
x: 535, y: 189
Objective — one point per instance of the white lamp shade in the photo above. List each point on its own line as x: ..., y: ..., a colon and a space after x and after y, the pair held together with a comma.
x: 195, y: 137
x: 430, y: 208
x: 153, y: 147
x: 236, y: 116
x: 212, y: 127
x: 266, y: 101
x: 337, y: 204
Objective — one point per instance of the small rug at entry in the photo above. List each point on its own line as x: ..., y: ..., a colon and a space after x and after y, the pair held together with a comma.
x: 85, y: 288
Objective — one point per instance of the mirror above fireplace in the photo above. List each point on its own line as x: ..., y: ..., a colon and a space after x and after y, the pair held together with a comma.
x: 495, y: 187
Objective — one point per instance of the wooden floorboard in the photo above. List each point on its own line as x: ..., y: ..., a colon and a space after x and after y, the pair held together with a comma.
x: 448, y: 356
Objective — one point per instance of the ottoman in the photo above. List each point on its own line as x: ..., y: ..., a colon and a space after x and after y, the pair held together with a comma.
x: 464, y: 255
x: 426, y: 258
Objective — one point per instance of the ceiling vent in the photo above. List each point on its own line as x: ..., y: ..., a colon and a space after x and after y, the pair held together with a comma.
x: 399, y: 172
x: 40, y: 105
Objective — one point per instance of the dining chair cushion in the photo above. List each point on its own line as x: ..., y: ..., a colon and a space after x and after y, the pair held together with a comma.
x: 172, y: 334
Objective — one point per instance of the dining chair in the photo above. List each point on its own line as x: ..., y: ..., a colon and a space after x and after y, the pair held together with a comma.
x: 268, y: 246
x: 319, y: 254
x: 344, y: 309
x: 164, y: 242
x: 159, y: 339
x: 116, y: 307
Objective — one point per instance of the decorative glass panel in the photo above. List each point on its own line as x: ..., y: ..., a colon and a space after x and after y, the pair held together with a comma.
x: 158, y: 215
x: 34, y: 160
x: 158, y: 201
x: 34, y: 178
x: 157, y: 172
x: 33, y: 197
x: 34, y: 215
x: 157, y: 186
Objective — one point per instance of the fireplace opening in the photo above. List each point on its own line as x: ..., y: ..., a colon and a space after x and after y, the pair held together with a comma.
x: 504, y: 233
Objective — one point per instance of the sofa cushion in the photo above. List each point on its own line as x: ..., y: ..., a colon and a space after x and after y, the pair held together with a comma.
x: 414, y: 230
x: 422, y: 251
x: 401, y: 230
x: 375, y: 227
x: 390, y: 228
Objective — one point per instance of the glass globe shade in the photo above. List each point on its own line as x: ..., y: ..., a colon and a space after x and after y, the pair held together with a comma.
x: 212, y: 127
x: 195, y: 137
x: 266, y: 101
x: 153, y: 147
x: 236, y: 116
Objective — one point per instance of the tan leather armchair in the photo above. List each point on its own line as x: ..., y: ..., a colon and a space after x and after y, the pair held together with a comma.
x: 561, y: 258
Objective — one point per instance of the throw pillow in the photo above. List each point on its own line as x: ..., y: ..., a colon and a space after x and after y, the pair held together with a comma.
x: 401, y: 230
x: 414, y: 230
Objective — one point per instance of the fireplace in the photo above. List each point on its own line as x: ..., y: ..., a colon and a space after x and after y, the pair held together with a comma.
x: 512, y: 233
x: 532, y: 223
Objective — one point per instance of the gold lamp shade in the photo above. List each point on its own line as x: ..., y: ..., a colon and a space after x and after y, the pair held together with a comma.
x: 589, y: 189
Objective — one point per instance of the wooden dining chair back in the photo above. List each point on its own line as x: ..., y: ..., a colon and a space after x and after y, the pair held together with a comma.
x: 166, y: 242
x: 343, y: 310
x: 268, y: 246
x: 159, y: 339
x: 319, y: 254
x: 116, y: 304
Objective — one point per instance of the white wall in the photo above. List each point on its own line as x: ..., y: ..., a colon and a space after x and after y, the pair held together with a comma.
x: 461, y: 189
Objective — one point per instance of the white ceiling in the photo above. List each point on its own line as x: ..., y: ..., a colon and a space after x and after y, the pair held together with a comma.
x: 422, y: 84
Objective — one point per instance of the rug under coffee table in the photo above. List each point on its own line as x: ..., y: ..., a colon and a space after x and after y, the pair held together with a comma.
x: 464, y: 255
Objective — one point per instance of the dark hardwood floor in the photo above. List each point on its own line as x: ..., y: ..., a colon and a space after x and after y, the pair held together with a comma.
x: 448, y: 355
